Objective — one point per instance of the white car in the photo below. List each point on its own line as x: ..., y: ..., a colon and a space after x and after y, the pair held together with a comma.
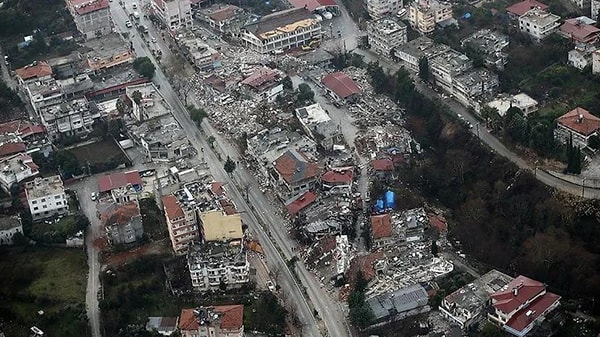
x: 270, y: 286
x: 153, y: 40
x: 94, y: 196
x: 128, y: 24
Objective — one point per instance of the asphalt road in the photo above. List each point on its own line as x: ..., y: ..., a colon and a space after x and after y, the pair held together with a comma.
x: 486, y: 137
x: 329, y: 311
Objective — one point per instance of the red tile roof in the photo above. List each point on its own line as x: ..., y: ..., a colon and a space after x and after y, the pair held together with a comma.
x: 293, y: 166
x: 10, y: 127
x: 261, y: 78
x: 438, y: 222
x: 381, y: 226
x: 216, y: 188
x: 301, y: 202
x: 232, y: 317
x: 311, y: 5
x: 172, y: 207
x: 7, y: 149
x: 526, y: 289
x: 117, y: 180
x: 228, y: 207
x: 383, y: 165
x: 579, y: 31
x: 580, y: 121
x: 338, y: 175
x: 87, y: 6
x: 526, y: 316
x: 341, y: 84
x: 523, y: 7
x: 364, y: 264
x: 41, y: 69
x: 122, y: 214
x: 30, y: 129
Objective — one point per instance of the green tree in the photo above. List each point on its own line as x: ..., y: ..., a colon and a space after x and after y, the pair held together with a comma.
x: 287, y: 83
x: 136, y: 95
x: 424, y: 69
x: 434, y: 248
x: 379, y: 79
x: 304, y: 93
x: 229, y: 165
x: 490, y: 330
x: 144, y: 66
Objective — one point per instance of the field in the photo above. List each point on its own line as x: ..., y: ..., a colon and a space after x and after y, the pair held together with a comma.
x: 47, y: 279
x: 99, y: 153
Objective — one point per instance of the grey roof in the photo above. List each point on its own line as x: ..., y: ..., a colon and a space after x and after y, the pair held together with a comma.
x: 405, y: 299
x: 9, y: 222
x: 279, y: 19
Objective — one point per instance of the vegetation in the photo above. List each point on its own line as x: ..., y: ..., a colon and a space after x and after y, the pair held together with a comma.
x: 424, y: 69
x: 287, y: 83
x: 573, y: 158
x: 229, y: 165
x: 144, y: 66
x: 197, y: 114
x: 46, y: 233
x: 52, y: 280
x: 62, y: 161
x: 266, y: 314
x: 153, y: 220
x: 11, y: 103
x: 361, y: 314
x: 304, y: 94
x: 528, y: 228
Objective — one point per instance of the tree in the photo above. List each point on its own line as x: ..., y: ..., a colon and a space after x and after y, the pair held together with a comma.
x: 304, y: 93
x: 424, y: 68
x: 121, y: 106
x: 434, y: 248
x: 287, y: 83
x: 144, y: 66
x: 114, y: 127
x: 229, y: 165
x: 136, y: 96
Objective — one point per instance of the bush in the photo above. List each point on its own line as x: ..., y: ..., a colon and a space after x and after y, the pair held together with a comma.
x: 144, y: 67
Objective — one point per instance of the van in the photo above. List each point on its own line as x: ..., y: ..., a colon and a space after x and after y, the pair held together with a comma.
x: 401, y: 13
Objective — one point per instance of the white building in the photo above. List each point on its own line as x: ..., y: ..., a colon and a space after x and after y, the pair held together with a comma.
x: 46, y: 197
x: 282, y: 30
x: 538, y: 23
x: 581, y: 56
x: 175, y: 14
x: 92, y: 17
x: 596, y: 62
x: 468, y: 88
x: 578, y: 125
x: 213, y: 265
x: 9, y: 226
x: 384, y: 35
x: 71, y: 118
x: 423, y: 15
x: 318, y: 125
x: 522, y: 101
x: 379, y: 8
x: 265, y: 84
x: 446, y: 67
x: 146, y: 101
x: 15, y: 169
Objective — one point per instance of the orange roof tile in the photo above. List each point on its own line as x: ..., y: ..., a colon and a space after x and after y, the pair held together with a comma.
x: 381, y: 226
x: 41, y: 69
x: 341, y: 84
x: 232, y: 317
x: 293, y: 166
x: 526, y: 289
x: 580, y: 121
x: 172, y: 207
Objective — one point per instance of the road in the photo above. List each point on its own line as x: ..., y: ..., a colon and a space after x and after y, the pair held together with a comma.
x: 273, y: 232
x: 486, y: 137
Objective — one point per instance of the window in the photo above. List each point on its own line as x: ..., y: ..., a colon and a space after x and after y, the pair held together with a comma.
x: 57, y: 196
x: 34, y: 202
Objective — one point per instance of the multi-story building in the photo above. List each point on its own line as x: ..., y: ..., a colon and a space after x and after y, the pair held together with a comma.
x: 384, y: 35
x: 380, y: 8
x: 578, y: 125
x: 538, y: 23
x: 122, y: 221
x: 580, y: 30
x: 217, y: 321
x: 9, y: 226
x: 338, y: 180
x: 471, y: 86
x: 410, y: 53
x: 215, y: 265
x: 108, y: 52
x: 162, y: 139
x: 200, y: 54
x: 265, y: 84
x: 295, y: 172
x: 38, y: 71
x: 46, y: 197
x: 221, y: 225
x: 222, y: 17
x: 146, y: 101
x: 285, y: 29
x: 521, y: 305
x: 446, y: 67
x: 70, y: 118
x: 516, y: 10
x: 15, y: 169
x: 466, y: 306
x: 318, y: 125
x: 175, y: 14
x: 489, y: 43
x: 581, y: 56
x: 92, y: 17
x: 423, y: 15
x: 595, y: 9
x: 182, y: 222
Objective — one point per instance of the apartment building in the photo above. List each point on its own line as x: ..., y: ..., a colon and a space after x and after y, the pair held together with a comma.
x: 221, y: 225
x: 423, y: 15
x: 470, y: 87
x: 200, y: 54
x: 46, y: 197
x: 15, y: 169
x: 446, y: 67
x: 318, y: 125
x: 108, y: 52
x: 175, y: 14
x: 538, y: 23
x: 92, y: 17
x: 215, y: 265
x: 580, y: 30
x: 380, y: 8
x: 38, y: 71
x: 122, y: 221
x: 295, y: 172
x: 265, y: 84
x: 384, y: 35
x: 581, y: 56
x: 491, y: 44
x: 182, y: 222
x: 146, y: 101
x: 578, y: 125
x: 162, y: 139
x: 69, y: 118
x: 282, y: 30
x: 215, y: 321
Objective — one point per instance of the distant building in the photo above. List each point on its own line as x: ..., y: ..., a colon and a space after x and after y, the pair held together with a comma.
x: 466, y: 306
x: 446, y: 67
x: 378, y: 9
x: 399, y: 304
x: 596, y: 61
x: 294, y: 171
x: 317, y: 5
x: 580, y: 30
x: 489, y: 43
x: 318, y: 125
x: 217, y: 321
x: 521, y: 305
x: 163, y: 325
x: 520, y: 8
x: 423, y: 15
x: 522, y: 101
x: 175, y: 14
x: 46, y: 197
x: 538, y: 23
x: 290, y: 28
x: 341, y: 87
x: 595, y: 9
x: 122, y: 222
x: 213, y: 265
x: 15, y: 169
x: 92, y: 17
x: 585, y: 5
x: 384, y: 35
x: 579, y: 125
x: 264, y: 84
x: 9, y: 226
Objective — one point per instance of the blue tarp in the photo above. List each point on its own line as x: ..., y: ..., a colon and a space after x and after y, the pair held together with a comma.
x: 390, y: 199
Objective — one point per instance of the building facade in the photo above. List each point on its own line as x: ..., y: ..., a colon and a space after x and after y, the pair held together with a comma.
x: 9, y: 226
x: 423, y: 15
x: 182, y: 223
x: 578, y: 125
x: 295, y: 172
x: 384, y: 35
x: 538, y: 23
x: 380, y: 8
x: 92, y: 17
x: 216, y: 321
x: 71, y: 118
x: 175, y: 14
x: 469, y: 87
x: 216, y: 265
x: 446, y: 67
x: 46, y: 197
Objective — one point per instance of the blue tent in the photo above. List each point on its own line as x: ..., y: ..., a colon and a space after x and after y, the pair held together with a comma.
x: 390, y: 200
x: 467, y: 16
x: 379, y: 206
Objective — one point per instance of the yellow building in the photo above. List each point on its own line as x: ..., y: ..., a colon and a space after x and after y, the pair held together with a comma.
x: 220, y: 226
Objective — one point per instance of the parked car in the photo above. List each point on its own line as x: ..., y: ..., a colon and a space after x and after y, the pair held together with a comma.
x: 94, y: 196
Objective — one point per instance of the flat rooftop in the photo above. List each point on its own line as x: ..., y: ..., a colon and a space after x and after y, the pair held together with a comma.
x: 106, y: 46
x: 152, y: 101
x: 65, y: 108
x: 41, y: 187
x: 387, y: 26
x: 540, y: 17
x: 164, y: 130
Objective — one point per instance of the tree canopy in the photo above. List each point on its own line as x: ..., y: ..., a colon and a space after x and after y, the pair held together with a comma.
x: 144, y: 66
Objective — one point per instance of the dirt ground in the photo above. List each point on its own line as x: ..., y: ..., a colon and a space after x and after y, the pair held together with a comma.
x: 120, y: 258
